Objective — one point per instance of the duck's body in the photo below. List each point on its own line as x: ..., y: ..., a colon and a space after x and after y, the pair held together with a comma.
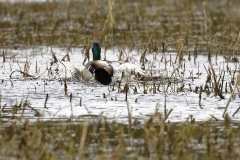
x: 101, y: 70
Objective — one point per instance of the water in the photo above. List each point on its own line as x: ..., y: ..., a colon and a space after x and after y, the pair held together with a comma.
x: 88, y: 99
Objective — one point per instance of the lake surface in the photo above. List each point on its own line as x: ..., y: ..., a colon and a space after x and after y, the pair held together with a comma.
x: 87, y: 97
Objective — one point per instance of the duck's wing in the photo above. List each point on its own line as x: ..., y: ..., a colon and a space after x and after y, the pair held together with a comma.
x: 128, y: 68
x: 109, y: 69
x: 64, y: 70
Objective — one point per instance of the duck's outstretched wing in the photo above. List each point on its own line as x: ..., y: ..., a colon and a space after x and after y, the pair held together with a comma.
x: 128, y: 69
x: 65, y: 70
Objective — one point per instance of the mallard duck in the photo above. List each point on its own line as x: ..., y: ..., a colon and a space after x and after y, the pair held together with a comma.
x: 101, y: 70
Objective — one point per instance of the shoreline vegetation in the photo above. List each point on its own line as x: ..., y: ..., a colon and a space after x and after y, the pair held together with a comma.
x: 100, y: 139
x: 182, y: 26
x: 186, y: 27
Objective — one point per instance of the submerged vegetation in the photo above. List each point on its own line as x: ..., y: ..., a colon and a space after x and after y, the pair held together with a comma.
x: 150, y: 28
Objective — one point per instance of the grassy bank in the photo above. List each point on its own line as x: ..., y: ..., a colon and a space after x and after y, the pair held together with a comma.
x: 206, y: 26
x: 99, y: 139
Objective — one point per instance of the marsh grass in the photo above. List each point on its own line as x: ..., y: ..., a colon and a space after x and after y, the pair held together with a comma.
x: 118, y: 23
x: 102, y: 139
x: 185, y: 27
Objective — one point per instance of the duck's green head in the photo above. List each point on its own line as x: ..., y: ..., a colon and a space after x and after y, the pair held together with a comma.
x: 96, y: 50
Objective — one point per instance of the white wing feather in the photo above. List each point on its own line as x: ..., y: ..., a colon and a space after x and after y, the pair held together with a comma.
x: 65, y: 70
x: 128, y: 69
